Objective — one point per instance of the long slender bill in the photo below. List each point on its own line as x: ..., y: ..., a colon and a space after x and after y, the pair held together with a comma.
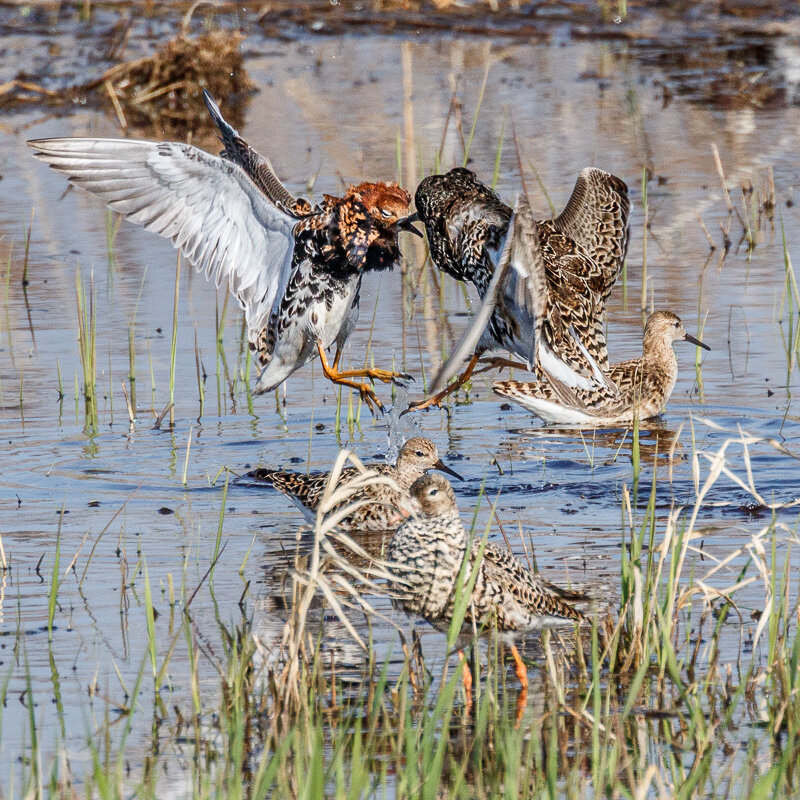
x: 407, y: 224
x: 691, y: 339
x: 442, y: 467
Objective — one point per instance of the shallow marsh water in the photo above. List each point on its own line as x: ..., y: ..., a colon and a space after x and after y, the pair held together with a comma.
x: 371, y: 107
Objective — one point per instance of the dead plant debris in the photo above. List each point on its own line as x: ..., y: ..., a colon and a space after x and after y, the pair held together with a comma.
x: 161, y: 94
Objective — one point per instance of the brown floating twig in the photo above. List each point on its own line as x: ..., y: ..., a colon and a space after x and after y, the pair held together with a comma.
x: 705, y: 231
x: 115, y: 102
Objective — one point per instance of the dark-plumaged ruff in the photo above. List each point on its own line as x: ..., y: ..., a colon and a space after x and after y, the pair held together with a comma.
x: 549, y: 307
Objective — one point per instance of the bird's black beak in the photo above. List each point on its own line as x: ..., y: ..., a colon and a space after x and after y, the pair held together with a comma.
x: 407, y: 224
x: 691, y: 339
x: 442, y: 467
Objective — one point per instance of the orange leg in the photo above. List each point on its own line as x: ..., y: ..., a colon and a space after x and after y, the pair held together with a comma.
x: 333, y: 374
x: 436, y: 399
x: 466, y: 676
x: 522, y: 676
x: 385, y: 375
x: 520, y: 670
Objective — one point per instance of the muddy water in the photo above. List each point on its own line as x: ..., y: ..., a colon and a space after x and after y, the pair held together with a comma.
x: 356, y: 106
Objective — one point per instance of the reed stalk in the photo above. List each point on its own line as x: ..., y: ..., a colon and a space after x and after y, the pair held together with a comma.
x: 645, y: 230
x: 87, y: 322
x: 174, y: 341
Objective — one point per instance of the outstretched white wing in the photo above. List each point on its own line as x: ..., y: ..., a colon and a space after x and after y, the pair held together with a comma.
x: 210, y: 209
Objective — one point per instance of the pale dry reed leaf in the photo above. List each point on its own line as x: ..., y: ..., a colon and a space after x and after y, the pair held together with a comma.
x: 711, y: 593
x: 748, y: 437
x: 626, y: 504
x: 748, y: 467
x: 759, y: 555
x: 363, y: 577
x: 339, y: 611
x: 695, y: 460
x: 638, y: 604
x: 672, y: 447
x: 330, y: 523
x: 717, y: 463
x: 551, y: 668
x: 721, y: 563
x: 352, y: 545
x: 362, y: 604
x: 665, y: 553
x: 751, y: 490
x: 642, y: 790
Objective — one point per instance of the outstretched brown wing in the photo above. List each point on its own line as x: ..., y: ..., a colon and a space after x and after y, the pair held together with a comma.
x: 596, y: 218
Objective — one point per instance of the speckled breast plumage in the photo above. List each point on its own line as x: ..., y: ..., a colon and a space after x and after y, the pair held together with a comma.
x: 425, y: 558
x: 328, y: 262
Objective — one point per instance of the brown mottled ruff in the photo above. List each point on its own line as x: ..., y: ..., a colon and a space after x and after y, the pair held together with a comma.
x: 386, y: 506
x: 550, y: 305
x: 425, y: 558
x: 295, y: 268
x: 643, y: 385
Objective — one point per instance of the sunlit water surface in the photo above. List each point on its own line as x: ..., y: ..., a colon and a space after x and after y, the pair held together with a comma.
x: 354, y: 106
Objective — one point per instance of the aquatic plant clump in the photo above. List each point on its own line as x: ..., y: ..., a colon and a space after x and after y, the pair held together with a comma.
x: 160, y: 94
x: 165, y: 90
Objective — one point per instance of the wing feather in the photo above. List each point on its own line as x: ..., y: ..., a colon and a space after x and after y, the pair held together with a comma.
x: 596, y: 217
x: 529, y: 279
x: 520, y: 275
x: 223, y: 223
x: 258, y: 167
x: 469, y: 341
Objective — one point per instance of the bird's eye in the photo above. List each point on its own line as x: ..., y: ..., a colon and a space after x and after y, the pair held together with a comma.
x: 419, y: 454
x: 385, y: 213
x: 677, y: 323
x: 433, y: 492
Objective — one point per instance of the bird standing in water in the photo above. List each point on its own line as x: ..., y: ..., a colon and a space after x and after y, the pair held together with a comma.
x: 643, y: 385
x: 385, y: 505
x: 425, y: 557
x: 547, y: 280
x: 295, y: 269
